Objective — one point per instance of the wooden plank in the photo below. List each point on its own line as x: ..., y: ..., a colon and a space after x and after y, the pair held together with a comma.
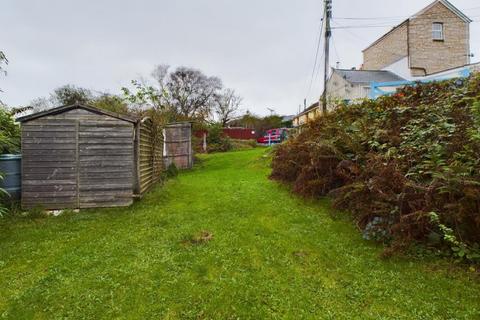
x: 89, y: 181
x: 107, y: 125
x: 106, y: 129
x: 48, y: 134
x: 107, y: 193
x: 49, y: 158
x: 50, y: 206
x: 109, y: 157
x: 50, y: 200
x: 112, y: 170
x: 52, y: 188
x: 107, y: 135
x: 32, y: 153
x: 101, y: 146
x: 77, y: 155
x: 47, y: 129
x: 146, y: 181
x: 85, y: 117
x: 105, y: 175
x: 48, y: 146
x: 110, y: 152
x: 49, y: 170
x: 90, y: 141
x: 49, y: 182
x: 50, y: 194
x: 49, y: 122
x: 116, y: 163
x: 52, y: 140
x: 49, y: 176
x: 104, y: 187
x: 115, y: 204
x: 50, y: 164
x: 147, y: 169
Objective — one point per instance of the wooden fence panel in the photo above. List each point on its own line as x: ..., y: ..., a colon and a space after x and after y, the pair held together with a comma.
x: 149, y: 156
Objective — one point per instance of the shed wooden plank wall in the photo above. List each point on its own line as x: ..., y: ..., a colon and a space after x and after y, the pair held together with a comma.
x: 178, y: 145
x: 150, y: 160
x: 49, y: 170
x: 77, y: 159
x: 105, y: 163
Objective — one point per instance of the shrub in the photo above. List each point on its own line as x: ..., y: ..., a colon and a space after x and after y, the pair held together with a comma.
x: 172, y: 171
x: 217, y: 141
x: 393, y: 161
x: 243, y: 144
x: 9, y: 133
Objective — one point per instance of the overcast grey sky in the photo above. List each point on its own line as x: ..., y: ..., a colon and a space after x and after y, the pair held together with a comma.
x: 262, y: 48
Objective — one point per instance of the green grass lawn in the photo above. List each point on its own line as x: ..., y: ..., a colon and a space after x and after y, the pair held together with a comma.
x: 272, y: 255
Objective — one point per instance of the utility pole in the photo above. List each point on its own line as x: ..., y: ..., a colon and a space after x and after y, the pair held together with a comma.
x: 328, y: 35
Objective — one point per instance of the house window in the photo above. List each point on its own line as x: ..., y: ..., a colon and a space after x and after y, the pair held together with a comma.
x: 437, y: 31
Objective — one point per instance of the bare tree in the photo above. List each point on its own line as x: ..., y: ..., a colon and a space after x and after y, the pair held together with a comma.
x: 185, y: 93
x: 160, y: 75
x: 40, y: 104
x: 191, y: 92
x: 227, y: 104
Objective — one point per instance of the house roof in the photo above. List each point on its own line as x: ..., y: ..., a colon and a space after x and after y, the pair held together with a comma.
x: 312, y: 107
x: 288, y: 118
x: 76, y: 106
x: 446, y: 3
x: 367, y: 76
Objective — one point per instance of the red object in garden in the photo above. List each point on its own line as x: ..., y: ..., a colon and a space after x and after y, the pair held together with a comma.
x: 240, y: 133
x: 273, y: 136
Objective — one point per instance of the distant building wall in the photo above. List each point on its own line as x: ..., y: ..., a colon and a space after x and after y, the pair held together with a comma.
x: 387, y: 50
x: 400, y: 68
x: 306, y: 116
x: 429, y: 56
x: 340, y: 89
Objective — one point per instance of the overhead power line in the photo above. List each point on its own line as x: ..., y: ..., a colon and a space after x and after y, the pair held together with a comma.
x: 316, y: 53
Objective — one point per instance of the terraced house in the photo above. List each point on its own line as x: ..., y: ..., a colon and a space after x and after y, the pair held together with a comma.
x: 432, y: 44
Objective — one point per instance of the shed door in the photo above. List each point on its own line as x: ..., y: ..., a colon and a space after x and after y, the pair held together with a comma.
x: 105, y: 163
x: 49, y: 164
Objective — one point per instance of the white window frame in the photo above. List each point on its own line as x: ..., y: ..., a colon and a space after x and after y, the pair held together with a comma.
x: 438, y: 33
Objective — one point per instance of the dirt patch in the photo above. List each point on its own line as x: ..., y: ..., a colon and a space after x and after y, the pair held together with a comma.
x: 202, y: 237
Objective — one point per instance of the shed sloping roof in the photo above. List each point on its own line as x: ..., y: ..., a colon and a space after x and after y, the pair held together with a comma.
x: 367, y: 76
x: 76, y: 106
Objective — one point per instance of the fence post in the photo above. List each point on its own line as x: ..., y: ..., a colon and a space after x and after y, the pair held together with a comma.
x: 205, y: 142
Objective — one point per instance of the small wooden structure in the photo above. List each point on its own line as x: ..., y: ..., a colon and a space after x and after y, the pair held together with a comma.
x: 82, y: 157
x: 77, y: 157
x: 149, y: 159
x: 178, y: 145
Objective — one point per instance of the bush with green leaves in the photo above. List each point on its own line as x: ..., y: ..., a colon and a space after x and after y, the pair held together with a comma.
x: 9, y: 133
x: 217, y: 141
x: 397, y: 159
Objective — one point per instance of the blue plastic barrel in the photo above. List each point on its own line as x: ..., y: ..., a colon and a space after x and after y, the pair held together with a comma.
x: 11, y: 168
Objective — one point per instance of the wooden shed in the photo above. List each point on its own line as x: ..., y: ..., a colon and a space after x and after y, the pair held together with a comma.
x: 78, y: 157
x: 178, y: 145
